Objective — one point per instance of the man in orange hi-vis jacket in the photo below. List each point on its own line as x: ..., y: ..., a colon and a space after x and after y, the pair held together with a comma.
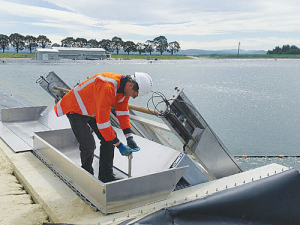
x: 88, y: 106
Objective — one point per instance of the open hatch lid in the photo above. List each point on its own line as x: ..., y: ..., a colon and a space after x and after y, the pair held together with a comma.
x: 199, y: 139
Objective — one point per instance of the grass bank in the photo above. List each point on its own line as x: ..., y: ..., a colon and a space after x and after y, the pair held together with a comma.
x: 229, y: 56
x: 17, y: 55
x: 150, y: 57
x: 254, y: 56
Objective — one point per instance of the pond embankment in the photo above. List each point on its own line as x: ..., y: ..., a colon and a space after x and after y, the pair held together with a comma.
x: 16, y: 205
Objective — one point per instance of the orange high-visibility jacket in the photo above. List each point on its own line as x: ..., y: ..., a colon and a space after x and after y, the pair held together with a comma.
x: 95, y: 97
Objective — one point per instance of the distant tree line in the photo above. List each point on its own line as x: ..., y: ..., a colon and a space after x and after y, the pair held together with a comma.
x: 286, y: 49
x: 20, y: 42
x: 159, y: 44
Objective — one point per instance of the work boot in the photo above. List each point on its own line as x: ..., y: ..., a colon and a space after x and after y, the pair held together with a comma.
x: 109, y: 178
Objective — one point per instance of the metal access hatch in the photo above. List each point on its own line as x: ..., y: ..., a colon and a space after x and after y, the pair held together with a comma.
x: 107, y: 197
x: 197, y: 136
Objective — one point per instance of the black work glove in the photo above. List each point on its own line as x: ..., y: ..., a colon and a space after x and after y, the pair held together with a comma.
x: 131, y: 143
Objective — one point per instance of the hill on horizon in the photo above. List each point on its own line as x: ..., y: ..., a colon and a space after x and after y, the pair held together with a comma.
x: 220, y: 52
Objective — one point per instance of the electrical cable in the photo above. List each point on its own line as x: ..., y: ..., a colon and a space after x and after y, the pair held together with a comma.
x: 157, y: 94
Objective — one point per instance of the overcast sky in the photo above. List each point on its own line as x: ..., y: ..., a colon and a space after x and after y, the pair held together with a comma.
x: 195, y: 24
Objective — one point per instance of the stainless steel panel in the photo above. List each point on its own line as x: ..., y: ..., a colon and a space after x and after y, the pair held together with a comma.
x: 193, y: 175
x: 25, y: 130
x: 213, y: 156
x: 21, y: 114
x: 59, y: 138
x: 49, y: 119
x: 12, y: 140
x: 110, y: 197
x: 152, y: 157
x: 133, y: 192
x: 73, y: 154
x: 197, y: 136
x: 84, y: 182
x: 18, y: 126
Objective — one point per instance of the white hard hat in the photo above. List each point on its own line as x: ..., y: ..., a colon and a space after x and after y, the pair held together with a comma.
x: 144, y: 81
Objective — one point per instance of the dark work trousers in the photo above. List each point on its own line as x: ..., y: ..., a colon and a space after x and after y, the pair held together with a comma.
x: 81, y: 126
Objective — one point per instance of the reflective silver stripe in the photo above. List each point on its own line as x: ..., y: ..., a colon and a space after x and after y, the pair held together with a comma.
x: 80, y: 102
x: 122, y: 113
x: 78, y: 88
x: 121, y: 100
x: 103, y: 125
x: 78, y: 98
x: 59, y: 110
x: 115, y: 83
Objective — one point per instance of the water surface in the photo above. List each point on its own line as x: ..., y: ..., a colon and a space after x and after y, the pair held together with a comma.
x: 251, y: 104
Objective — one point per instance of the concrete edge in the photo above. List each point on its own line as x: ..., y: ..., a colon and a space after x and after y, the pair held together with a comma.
x: 57, y: 199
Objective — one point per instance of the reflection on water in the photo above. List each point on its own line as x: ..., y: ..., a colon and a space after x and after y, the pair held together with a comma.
x: 251, y: 163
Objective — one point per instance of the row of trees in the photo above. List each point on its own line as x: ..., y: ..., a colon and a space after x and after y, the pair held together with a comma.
x: 19, y: 42
x: 286, y: 49
x: 159, y: 44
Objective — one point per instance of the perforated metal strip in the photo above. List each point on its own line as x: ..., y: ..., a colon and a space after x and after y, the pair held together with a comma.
x: 66, y: 181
